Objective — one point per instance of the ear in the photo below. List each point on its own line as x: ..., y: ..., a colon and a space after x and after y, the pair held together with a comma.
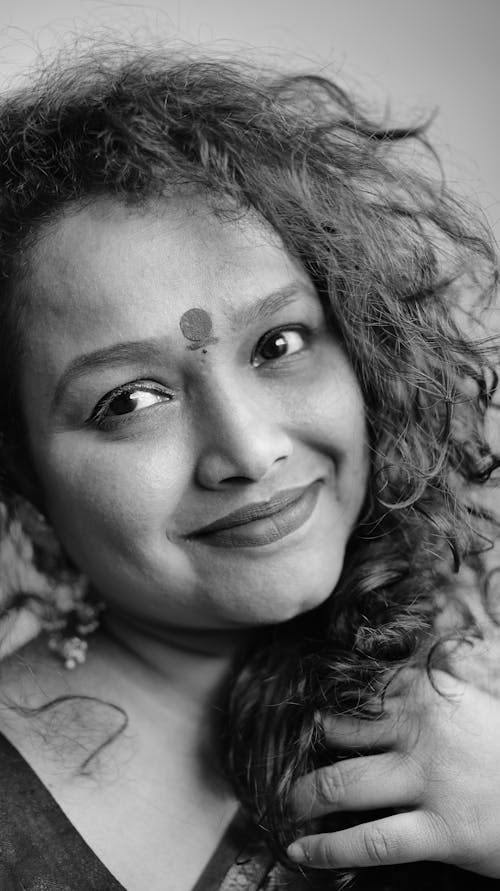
x: 18, y: 475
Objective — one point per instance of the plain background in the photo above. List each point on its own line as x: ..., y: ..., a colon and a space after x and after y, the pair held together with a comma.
x: 417, y: 55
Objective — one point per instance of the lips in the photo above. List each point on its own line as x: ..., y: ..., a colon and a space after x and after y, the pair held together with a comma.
x: 263, y: 522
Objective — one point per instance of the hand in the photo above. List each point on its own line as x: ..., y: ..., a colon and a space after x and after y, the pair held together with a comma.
x: 437, y: 768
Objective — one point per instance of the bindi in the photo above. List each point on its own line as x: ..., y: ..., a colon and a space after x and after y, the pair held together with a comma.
x: 196, y: 326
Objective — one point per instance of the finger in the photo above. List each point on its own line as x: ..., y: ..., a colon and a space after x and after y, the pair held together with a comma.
x: 401, y: 838
x: 358, y: 734
x: 386, y: 780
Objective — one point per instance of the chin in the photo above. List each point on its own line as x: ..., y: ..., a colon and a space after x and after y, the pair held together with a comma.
x: 279, y: 609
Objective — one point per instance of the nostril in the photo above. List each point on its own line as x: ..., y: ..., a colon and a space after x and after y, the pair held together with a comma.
x: 237, y: 467
x: 240, y: 438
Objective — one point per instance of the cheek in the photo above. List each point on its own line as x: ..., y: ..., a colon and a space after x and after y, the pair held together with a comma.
x: 115, y: 495
x: 337, y: 415
x: 334, y: 409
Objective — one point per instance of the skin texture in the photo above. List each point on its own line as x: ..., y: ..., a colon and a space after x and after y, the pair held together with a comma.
x: 433, y: 759
x: 203, y: 434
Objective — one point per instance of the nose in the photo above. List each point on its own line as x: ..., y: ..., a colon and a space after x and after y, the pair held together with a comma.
x: 242, y: 438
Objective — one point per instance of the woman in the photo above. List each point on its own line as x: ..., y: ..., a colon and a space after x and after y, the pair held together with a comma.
x: 234, y: 383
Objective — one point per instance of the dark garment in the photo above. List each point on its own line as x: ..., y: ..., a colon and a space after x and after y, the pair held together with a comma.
x: 424, y: 876
x: 40, y: 850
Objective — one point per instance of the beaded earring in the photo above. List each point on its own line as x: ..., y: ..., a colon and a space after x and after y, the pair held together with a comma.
x: 67, y: 634
x: 52, y: 591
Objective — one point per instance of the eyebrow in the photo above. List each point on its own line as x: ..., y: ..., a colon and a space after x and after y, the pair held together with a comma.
x: 267, y: 306
x: 134, y: 352
x: 126, y: 353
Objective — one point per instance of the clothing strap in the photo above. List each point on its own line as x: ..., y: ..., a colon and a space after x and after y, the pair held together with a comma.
x: 240, y: 862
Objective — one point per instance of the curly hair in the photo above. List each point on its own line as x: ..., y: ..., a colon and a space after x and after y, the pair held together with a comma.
x: 400, y: 269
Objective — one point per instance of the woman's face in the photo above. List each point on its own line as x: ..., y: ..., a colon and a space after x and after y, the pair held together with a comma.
x: 180, y: 375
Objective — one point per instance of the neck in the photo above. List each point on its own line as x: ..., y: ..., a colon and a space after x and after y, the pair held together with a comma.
x: 192, y: 663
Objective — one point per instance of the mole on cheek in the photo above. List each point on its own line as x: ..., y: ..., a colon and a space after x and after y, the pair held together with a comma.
x: 196, y: 326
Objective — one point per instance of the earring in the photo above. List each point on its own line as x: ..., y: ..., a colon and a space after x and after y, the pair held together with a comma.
x: 68, y: 633
x: 51, y: 586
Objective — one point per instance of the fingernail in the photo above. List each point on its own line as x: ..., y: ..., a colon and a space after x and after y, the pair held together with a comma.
x: 296, y: 852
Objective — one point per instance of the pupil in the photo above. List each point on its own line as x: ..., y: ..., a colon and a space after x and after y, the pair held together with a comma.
x: 122, y: 404
x: 275, y: 347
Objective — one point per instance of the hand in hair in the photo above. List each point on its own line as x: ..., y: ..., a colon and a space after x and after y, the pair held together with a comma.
x: 432, y: 761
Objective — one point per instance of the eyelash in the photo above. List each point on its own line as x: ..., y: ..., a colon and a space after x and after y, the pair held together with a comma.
x: 305, y: 331
x: 100, y: 420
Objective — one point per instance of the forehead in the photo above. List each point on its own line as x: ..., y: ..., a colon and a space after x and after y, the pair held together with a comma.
x: 102, y: 263
x: 104, y: 275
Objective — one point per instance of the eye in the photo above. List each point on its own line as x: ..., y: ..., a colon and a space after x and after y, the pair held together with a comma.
x: 279, y: 343
x: 124, y: 401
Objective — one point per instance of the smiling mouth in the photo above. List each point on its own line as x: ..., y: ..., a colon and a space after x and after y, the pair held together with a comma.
x: 262, y: 523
